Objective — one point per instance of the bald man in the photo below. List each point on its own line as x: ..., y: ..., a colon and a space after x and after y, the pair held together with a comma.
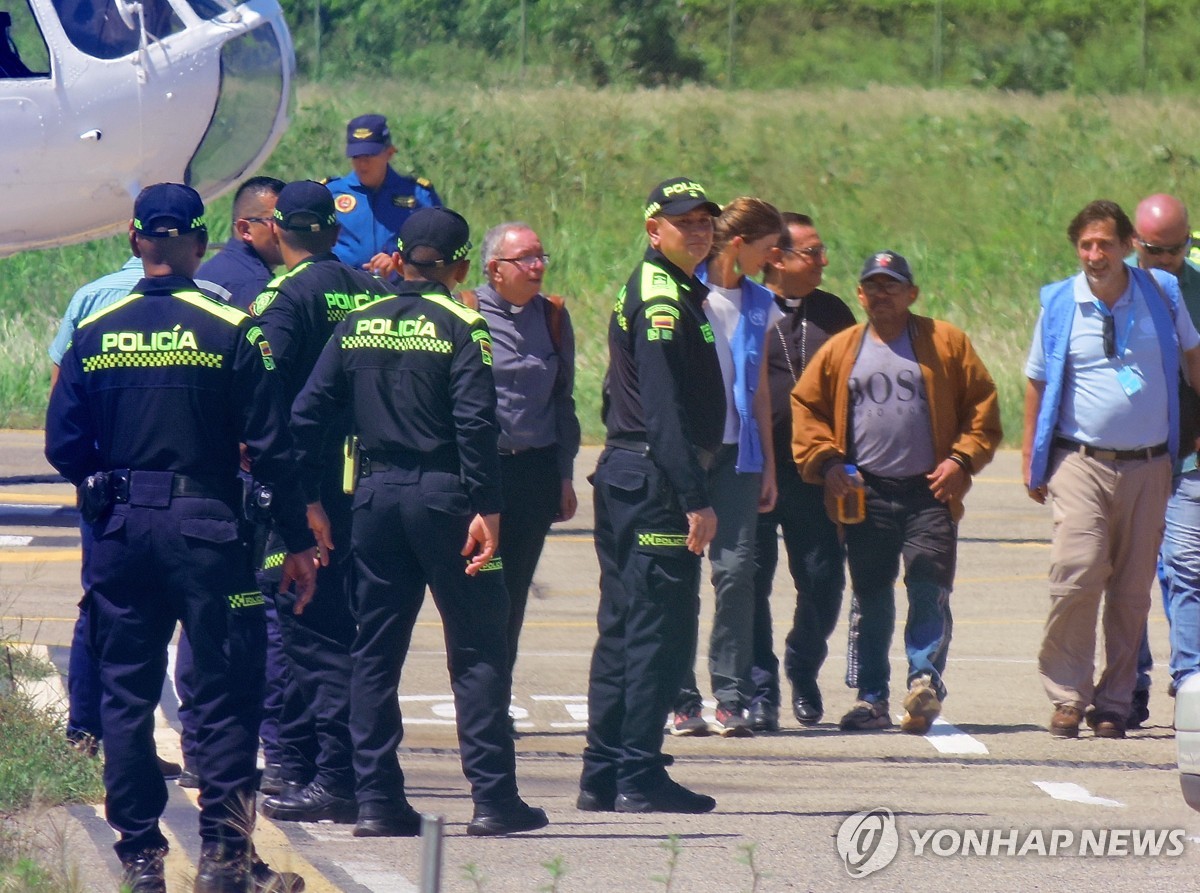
x: 1161, y: 241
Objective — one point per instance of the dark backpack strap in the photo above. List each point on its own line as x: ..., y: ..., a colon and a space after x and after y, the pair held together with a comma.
x: 554, y: 319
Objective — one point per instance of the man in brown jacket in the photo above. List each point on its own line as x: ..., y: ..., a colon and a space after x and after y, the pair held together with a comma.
x: 905, y: 400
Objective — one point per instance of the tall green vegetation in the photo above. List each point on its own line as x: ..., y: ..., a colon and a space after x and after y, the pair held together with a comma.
x: 1033, y: 45
x: 975, y: 188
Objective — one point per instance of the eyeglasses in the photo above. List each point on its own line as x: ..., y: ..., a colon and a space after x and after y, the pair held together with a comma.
x: 257, y: 219
x: 815, y: 252
x: 1110, y: 336
x: 1156, y: 250
x: 893, y: 288
x: 527, y: 261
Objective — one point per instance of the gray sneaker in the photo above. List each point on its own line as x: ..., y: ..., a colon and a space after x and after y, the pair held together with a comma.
x: 688, y: 722
x: 866, y: 715
x: 921, y: 706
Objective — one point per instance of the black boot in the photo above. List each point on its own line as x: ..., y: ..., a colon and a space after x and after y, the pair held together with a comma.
x: 224, y: 868
x: 143, y: 872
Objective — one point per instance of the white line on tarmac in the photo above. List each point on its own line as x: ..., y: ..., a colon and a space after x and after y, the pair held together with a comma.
x: 948, y: 738
x: 1063, y: 790
x: 7, y: 540
x: 375, y: 879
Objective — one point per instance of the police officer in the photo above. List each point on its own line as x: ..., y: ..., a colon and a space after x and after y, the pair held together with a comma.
x: 416, y: 371
x: 297, y: 312
x: 373, y: 200
x: 155, y: 394
x: 244, y: 265
x: 665, y: 414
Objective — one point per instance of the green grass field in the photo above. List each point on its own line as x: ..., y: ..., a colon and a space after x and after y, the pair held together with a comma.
x: 975, y: 188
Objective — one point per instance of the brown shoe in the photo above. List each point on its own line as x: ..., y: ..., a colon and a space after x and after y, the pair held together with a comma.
x: 1065, y: 722
x: 1106, y: 724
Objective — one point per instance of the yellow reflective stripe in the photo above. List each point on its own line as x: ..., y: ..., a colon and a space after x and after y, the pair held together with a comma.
x: 226, y: 312
x: 466, y: 314
x: 109, y: 309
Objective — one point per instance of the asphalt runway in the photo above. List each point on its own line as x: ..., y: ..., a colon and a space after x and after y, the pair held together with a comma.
x: 988, y: 801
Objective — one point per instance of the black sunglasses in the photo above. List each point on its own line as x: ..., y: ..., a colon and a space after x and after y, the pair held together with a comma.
x: 1110, y: 336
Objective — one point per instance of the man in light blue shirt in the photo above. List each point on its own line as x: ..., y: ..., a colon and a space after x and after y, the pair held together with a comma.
x: 1101, y: 431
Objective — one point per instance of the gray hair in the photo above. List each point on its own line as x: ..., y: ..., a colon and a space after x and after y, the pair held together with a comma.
x: 494, y: 236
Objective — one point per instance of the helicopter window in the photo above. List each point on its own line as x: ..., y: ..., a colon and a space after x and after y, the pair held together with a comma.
x: 23, y: 52
x: 96, y: 27
x: 210, y: 9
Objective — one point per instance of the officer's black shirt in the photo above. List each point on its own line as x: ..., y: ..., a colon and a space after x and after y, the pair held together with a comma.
x: 416, y: 369
x: 664, y: 382
x: 803, y: 329
x: 299, y: 309
x: 169, y: 379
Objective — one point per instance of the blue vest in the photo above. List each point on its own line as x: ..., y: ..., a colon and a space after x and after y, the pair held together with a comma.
x: 746, y: 346
x: 1058, y: 312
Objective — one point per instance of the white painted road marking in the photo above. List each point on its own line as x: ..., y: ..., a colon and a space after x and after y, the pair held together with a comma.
x: 8, y: 540
x: 947, y: 738
x: 1064, y: 790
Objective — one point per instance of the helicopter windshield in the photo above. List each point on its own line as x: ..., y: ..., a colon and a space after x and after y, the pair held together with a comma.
x: 247, y: 107
x: 96, y: 28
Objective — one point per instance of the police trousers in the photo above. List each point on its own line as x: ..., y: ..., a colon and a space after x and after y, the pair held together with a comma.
x: 647, y: 622
x: 316, y: 648
x: 150, y: 565
x: 409, y: 526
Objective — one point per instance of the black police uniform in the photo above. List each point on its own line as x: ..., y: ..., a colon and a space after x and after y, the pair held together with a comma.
x: 665, y: 416
x: 416, y: 370
x: 158, y: 390
x: 298, y: 312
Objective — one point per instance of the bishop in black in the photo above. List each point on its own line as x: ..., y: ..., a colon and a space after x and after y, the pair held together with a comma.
x: 665, y: 413
x: 415, y: 371
x: 298, y: 312
x: 156, y: 392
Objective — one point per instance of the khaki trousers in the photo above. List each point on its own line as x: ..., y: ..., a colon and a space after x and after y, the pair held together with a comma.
x: 1108, y: 525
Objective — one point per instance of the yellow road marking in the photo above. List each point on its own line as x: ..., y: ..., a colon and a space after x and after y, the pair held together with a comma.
x: 38, y: 556
x: 35, y: 499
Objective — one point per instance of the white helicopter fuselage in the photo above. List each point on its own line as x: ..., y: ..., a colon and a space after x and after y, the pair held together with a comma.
x: 204, y: 105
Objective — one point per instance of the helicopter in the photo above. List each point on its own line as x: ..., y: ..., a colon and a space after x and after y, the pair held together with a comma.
x: 99, y: 98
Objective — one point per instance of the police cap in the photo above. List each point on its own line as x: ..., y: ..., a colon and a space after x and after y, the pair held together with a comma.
x: 678, y: 196
x: 305, y: 206
x: 444, y: 231
x: 889, y: 263
x: 367, y: 135
x: 165, y: 210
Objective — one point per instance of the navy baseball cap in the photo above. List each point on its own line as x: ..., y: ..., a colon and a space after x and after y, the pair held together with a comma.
x: 305, y: 206
x: 443, y: 230
x: 889, y: 263
x: 678, y: 196
x: 367, y: 135
x: 165, y: 210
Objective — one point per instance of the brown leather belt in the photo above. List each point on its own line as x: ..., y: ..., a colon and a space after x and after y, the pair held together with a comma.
x: 1104, y: 455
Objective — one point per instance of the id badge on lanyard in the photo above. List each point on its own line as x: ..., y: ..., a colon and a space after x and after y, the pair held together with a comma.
x: 1129, y: 380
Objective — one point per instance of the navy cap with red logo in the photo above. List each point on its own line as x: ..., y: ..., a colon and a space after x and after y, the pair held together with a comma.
x: 889, y: 263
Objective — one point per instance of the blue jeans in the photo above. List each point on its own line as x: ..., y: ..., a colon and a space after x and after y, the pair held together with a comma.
x: 1180, y: 571
x: 903, y: 521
